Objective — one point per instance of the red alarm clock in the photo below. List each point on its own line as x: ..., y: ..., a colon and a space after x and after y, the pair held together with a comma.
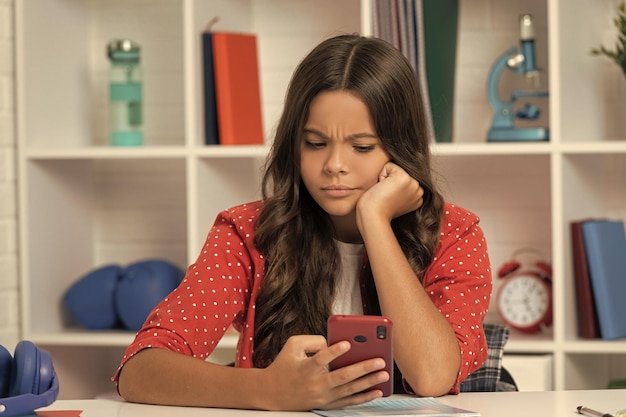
x: 524, y: 298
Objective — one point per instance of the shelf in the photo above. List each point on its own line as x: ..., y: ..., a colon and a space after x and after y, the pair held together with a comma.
x: 593, y: 148
x: 105, y: 152
x: 146, y: 152
x: 532, y: 344
x: 261, y: 151
x: 243, y: 151
x: 528, y: 148
x: 599, y: 347
x: 484, y: 148
x: 105, y: 338
x: 84, y: 203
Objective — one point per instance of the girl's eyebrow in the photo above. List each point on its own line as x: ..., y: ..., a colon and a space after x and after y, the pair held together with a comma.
x: 349, y: 137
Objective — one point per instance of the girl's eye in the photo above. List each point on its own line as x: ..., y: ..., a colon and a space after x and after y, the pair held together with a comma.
x: 314, y: 145
x: 363, y: 148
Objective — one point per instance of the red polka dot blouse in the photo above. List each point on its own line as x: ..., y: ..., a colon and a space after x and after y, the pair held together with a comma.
x: 220, y: 289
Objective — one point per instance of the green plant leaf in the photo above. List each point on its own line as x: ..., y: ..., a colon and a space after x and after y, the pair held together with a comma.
x: 619, y: 54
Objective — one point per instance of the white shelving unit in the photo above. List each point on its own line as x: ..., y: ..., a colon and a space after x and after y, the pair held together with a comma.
x: 84, y: 204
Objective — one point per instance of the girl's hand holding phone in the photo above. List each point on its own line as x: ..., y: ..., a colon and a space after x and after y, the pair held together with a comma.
x: 369, y: 337
x: 300, y: 379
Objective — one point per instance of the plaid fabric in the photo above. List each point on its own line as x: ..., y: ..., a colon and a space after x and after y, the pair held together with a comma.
x: 487, y: 377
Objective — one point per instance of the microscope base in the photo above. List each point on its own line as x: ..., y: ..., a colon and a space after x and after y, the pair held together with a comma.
x: 530, y: 134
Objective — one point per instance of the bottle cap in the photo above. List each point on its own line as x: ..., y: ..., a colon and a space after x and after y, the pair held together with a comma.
x: 123, y: 50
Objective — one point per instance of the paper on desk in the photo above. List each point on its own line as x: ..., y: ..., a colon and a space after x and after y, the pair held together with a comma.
x: 58, y: 413
x: 384, y: 407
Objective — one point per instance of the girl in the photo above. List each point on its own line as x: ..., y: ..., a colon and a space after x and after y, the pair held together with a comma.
x: 350, y: 223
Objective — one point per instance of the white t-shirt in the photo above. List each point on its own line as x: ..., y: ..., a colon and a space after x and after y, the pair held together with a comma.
x: 347, y: 288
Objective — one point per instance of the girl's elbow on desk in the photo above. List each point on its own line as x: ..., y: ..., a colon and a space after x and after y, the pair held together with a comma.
x: 127, y: 383
x: 138, y: 380
x: 431, y: 387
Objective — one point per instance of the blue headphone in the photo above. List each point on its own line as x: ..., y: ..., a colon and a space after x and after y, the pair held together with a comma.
x: 27, y: 380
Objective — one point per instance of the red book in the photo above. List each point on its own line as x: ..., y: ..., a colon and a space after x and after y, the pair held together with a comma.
x: 588, y: 326
x: 237, y: 91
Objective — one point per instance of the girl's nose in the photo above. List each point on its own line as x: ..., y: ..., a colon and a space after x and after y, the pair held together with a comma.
x: 336, y: 161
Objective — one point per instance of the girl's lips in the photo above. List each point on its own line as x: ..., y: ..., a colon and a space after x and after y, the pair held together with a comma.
x: 338, y: 191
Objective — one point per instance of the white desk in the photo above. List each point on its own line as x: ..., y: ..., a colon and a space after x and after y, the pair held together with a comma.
x: 501, y: 404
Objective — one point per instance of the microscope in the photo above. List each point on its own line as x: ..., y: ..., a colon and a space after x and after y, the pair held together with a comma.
x: 520, y: 61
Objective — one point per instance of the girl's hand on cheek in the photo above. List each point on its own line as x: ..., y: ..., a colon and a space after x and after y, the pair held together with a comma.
x: 395, y: 194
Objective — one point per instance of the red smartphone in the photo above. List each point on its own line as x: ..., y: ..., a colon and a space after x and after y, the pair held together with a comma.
x: 369, y: 337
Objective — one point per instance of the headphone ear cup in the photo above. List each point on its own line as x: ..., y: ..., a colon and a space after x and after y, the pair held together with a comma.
x: 46, y: 371
x: 25, y: 373
x: 6, y: 367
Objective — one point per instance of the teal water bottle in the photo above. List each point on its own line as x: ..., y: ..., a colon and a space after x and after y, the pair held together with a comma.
x: 125, y: 93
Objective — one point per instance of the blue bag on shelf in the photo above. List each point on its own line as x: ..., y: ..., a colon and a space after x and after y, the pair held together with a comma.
x: 90, y: 300
x: 116, y: 297
x: 143, y: 285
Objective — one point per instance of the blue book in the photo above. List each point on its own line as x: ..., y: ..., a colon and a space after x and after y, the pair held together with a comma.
x: 605, y: 244
x: 211, y: 136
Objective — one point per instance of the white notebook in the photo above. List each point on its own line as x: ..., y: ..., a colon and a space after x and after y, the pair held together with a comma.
x: 425, y: 407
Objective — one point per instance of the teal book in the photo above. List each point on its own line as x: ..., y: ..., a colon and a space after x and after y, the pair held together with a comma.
x: 605, y: 244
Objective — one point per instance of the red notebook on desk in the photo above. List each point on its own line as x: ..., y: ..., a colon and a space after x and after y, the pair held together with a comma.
x: 237, y: 91
x: 587, y: 318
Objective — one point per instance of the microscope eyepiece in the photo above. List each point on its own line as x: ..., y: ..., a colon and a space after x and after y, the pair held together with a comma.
x: 526, y: 27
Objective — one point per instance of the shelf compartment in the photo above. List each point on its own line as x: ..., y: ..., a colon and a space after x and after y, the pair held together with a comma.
x: 593, y: 370
x: 596, y: 182
x: 71, y: 67
x: 483, y: 38
x: 83, y: 214
x: 593, y: 186
x: 222, y: 183
x: 532, y: 372
x: 512, y: 196
x: 590, y: 90
x: 510, y: 193
x: 95, y: 359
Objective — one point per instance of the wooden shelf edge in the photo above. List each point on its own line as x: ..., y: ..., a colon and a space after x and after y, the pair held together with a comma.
x: 144, y: 152
x: 105, y: 339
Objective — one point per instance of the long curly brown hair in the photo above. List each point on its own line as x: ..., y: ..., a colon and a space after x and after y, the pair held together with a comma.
x: 293, y: 233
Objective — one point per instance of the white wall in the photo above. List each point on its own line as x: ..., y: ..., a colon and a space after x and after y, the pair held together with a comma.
x: 9, y: 312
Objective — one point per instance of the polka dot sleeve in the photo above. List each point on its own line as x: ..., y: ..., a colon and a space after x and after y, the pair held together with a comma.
x: 213, y: 295
x: 458, y: 282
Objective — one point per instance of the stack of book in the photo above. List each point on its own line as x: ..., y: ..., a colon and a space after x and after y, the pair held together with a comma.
x: 232, y: 97
x: 599, y: 259
x: 426, y: 32
x: 400, y: 23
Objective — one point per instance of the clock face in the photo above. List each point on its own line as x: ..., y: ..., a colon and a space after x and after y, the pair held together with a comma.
x: 523, y: 301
